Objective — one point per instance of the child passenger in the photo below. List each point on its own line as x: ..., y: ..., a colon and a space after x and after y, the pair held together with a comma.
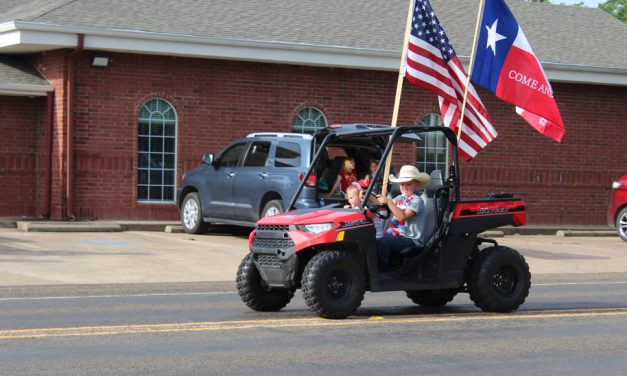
x: 354, y: 196
x: 345, y: 177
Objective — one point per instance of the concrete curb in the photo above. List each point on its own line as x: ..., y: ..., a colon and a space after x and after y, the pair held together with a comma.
x: 174, y: 227
x: 574, y: 233
x: 61, y: 227
x: 492, y: 234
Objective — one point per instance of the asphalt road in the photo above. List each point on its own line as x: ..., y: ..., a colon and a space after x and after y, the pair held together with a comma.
x: 565, y: 327
x: 139, y: 303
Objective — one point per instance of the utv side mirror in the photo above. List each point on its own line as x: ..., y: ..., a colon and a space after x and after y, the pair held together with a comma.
x: 208, y: 159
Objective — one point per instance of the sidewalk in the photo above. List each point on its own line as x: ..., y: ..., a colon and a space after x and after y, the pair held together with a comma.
x: 41, y: 225
x: 151, y: 257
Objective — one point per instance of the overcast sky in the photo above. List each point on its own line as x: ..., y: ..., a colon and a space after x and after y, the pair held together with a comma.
x: 588, y: 3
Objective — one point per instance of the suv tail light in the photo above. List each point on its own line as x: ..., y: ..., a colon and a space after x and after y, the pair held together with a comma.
x: 311, y: 180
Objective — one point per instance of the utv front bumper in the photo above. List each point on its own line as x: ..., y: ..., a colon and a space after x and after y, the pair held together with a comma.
x: 274, y: 256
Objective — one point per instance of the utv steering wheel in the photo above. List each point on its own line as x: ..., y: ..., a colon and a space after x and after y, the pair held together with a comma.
x: 381, y: 211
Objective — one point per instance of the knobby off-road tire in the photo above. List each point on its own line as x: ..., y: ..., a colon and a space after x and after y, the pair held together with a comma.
x: 191, y: 215
x: 333, y: 284
x: 499, y: 279
x: 432, y: 298
x: 254, y: 292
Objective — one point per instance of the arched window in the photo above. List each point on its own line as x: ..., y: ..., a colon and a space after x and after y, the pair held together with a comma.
x: 308, y: 120
x: 432, y: 150
x: 156, y: 148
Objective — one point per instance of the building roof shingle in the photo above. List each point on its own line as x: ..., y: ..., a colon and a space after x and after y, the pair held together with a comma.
x: 559, y: 34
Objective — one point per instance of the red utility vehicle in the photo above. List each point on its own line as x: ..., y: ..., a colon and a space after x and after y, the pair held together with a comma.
x: 331, y: 254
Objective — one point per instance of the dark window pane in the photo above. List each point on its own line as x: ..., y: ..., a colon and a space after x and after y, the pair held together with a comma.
x: 257, y: 154
x: 143, y: 144
x: 168, y: 177
x: 168, y: 145
x: 155, y: 193
x: 287, y: 155
x: 143, y: 128
x: 142, y: 177
x: 170, y: 130
x: 168, y: 193
x: 156, y: 178
x: 156, y: 161
x: 142, y: 192
x: 230, y: 157
x: 168, y: 160
x: 156, y: 129
x: 142, y: 161
x: 156, y: 144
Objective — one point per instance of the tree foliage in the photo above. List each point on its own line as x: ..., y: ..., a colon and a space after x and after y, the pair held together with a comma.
x: 617, y: 8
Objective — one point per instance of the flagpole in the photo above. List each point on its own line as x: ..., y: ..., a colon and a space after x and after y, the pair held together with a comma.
x: 473, y: 50
x: 399, y: 91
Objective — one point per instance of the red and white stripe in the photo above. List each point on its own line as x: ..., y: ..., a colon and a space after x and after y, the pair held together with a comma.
x: 426, y: 68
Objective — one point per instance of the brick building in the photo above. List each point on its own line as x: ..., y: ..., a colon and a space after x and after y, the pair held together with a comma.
x: 85, y: 85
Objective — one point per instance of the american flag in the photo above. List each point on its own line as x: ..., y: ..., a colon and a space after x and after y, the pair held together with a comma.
x: 432, y: 64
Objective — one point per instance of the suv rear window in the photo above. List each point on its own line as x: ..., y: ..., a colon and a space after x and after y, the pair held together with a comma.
x: 287, y: 155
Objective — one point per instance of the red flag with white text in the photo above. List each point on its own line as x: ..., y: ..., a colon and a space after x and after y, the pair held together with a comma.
x: 506, y: 65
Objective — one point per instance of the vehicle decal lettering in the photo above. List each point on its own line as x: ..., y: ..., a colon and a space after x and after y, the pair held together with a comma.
x: 358, y: 222
x: 492, y: 210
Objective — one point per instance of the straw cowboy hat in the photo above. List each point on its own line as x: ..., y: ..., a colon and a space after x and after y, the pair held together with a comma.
x: 409, y: 173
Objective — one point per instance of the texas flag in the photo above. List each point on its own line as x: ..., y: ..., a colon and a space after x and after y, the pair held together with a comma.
x: 506, y: 65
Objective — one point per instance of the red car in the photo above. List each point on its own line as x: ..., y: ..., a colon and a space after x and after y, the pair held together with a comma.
x: 617, y: 212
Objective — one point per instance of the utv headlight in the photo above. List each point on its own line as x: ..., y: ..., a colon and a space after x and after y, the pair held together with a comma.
x: 317, y: 228
x: 617, y: 184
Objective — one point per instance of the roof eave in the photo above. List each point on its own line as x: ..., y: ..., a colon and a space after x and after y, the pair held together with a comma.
x: 28, y: 37
x: 21, y: 90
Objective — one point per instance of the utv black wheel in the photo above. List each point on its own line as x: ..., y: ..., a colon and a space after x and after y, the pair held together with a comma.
x: 273, y: 207
x: 191, y: 215
x: 254, y: 291
x: 432, y: 298
x: 499, y: 280
x: 333, y: 284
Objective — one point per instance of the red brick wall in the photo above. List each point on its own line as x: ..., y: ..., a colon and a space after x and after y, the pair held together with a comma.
x: 217, y: 101
x: 22, y: 157
x: 52, y: 65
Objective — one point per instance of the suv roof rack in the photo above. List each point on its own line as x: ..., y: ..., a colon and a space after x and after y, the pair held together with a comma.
x: 281, y: 135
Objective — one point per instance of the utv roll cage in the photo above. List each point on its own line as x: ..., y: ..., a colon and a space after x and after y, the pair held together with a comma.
x: 396, y: 134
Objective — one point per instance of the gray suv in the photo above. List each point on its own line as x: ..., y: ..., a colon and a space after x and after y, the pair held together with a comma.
x: 257, y: 176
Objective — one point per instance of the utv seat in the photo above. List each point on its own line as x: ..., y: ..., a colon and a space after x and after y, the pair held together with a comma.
x: 435, y: 196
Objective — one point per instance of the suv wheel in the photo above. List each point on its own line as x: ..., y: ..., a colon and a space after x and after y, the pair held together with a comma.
x: 191, y: 215
x: 254, y: 291
x: 333, y: 284
x: 621, y: 223
x: 499, y: 279
x: 432, y: 298
x: 273, y: 207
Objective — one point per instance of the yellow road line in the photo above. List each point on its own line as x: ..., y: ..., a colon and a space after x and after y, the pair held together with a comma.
x: 209, y: 326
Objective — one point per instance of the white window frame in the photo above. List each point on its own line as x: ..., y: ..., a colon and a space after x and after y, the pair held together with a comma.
x: 149, y: 168
x: 309, y: 115
x: 425, y: 146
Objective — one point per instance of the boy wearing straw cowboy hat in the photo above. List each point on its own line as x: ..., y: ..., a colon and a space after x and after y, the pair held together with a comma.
x: 406, y: 222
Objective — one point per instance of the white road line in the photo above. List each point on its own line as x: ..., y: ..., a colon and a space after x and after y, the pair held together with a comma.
x: 578, y: 283
x: 235, y: 292
x: 119, y: 296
